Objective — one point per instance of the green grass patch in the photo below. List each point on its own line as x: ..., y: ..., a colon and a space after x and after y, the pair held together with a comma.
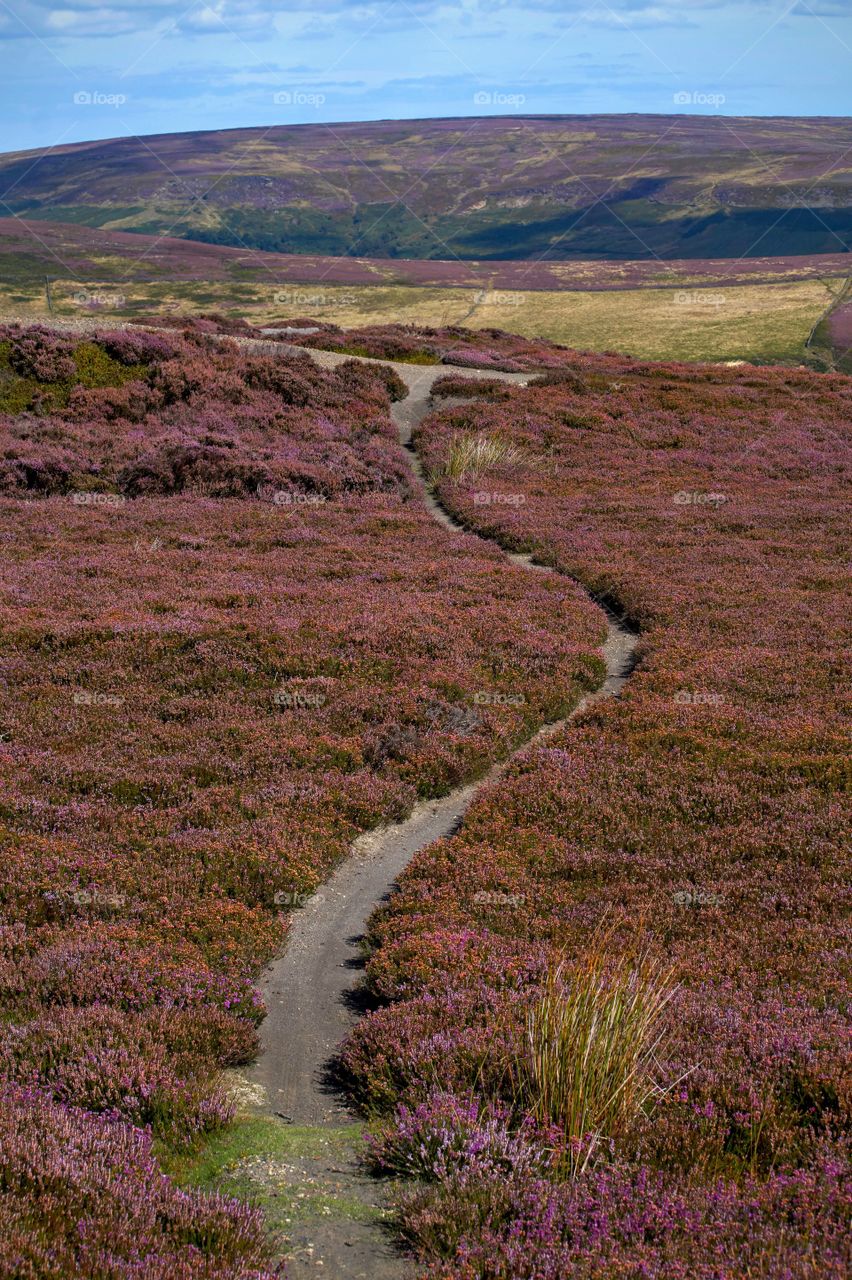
x: 411, y: 357
x: 219, y: 1155
x: 95, y: 368
x: 285, y: 1170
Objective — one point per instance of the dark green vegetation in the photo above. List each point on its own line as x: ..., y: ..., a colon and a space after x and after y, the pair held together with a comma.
x: 87, y: 257
x: 604, y: 187
x: 88, y: 366
x: 601, y: 231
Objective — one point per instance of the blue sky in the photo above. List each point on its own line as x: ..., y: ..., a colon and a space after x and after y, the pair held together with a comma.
x: 80, y: 69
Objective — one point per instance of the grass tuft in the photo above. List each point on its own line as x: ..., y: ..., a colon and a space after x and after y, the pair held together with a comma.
x: 470, y: 455
x: 591, y: 1046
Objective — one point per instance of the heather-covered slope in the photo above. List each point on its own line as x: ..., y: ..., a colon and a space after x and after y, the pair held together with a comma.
x: 231, y: 639
x: 491, y: 189
x: 453, y: 344
x: 693, y: 834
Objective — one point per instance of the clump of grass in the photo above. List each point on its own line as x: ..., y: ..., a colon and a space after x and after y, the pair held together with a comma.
x: 470, y: 455
x: 96, y: 368
x: 91, y: 366
x: 591, y: 1048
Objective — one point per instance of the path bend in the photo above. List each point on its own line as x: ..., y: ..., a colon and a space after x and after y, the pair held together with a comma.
x: 309, y: 989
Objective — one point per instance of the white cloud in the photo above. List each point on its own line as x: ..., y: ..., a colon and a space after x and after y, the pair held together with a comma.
x: 255, y: 18
x: 86, y: 18
x: 224, y: 17
x: 635, y: 19
x: 88, y: 22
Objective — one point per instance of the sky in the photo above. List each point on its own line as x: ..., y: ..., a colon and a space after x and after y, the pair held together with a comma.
x: 74, y: 70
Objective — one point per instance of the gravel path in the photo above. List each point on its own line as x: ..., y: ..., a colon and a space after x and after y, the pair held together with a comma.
x: 310, y: 990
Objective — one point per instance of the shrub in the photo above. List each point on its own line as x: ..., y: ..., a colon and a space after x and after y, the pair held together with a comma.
x: 42, y: 354
x: 470, y: 388
x: 213, y: 697
x: 84, y: 1197
x: 357, y: 375
x: 204, y: 419
x: 135, y: 347
x: 701, y: 814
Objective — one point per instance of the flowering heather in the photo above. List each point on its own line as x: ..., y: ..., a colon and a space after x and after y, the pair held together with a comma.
x: 413, y: 344
x: 623, y: 1221
x: 453, y: 344
x: 699, y: 818
x: 187, y: 415
x: 205, y: 699
x: 83, y: 1196
x: 458, y: 386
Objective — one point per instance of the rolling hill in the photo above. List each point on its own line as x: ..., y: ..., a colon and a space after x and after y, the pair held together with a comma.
x: 493, y: 189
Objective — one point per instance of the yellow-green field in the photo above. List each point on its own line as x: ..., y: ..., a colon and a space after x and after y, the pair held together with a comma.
x: 757, y: 322
x: 749, y: 322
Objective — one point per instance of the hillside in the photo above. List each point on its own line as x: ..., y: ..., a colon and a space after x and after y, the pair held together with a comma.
x: 595, y: 187
x: 70, y: 251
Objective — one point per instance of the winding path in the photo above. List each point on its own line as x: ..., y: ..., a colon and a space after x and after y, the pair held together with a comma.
x: 310, y: 989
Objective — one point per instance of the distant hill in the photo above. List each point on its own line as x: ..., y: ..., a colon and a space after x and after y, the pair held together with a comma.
x: 30, y: 251
x: 492, y: 189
